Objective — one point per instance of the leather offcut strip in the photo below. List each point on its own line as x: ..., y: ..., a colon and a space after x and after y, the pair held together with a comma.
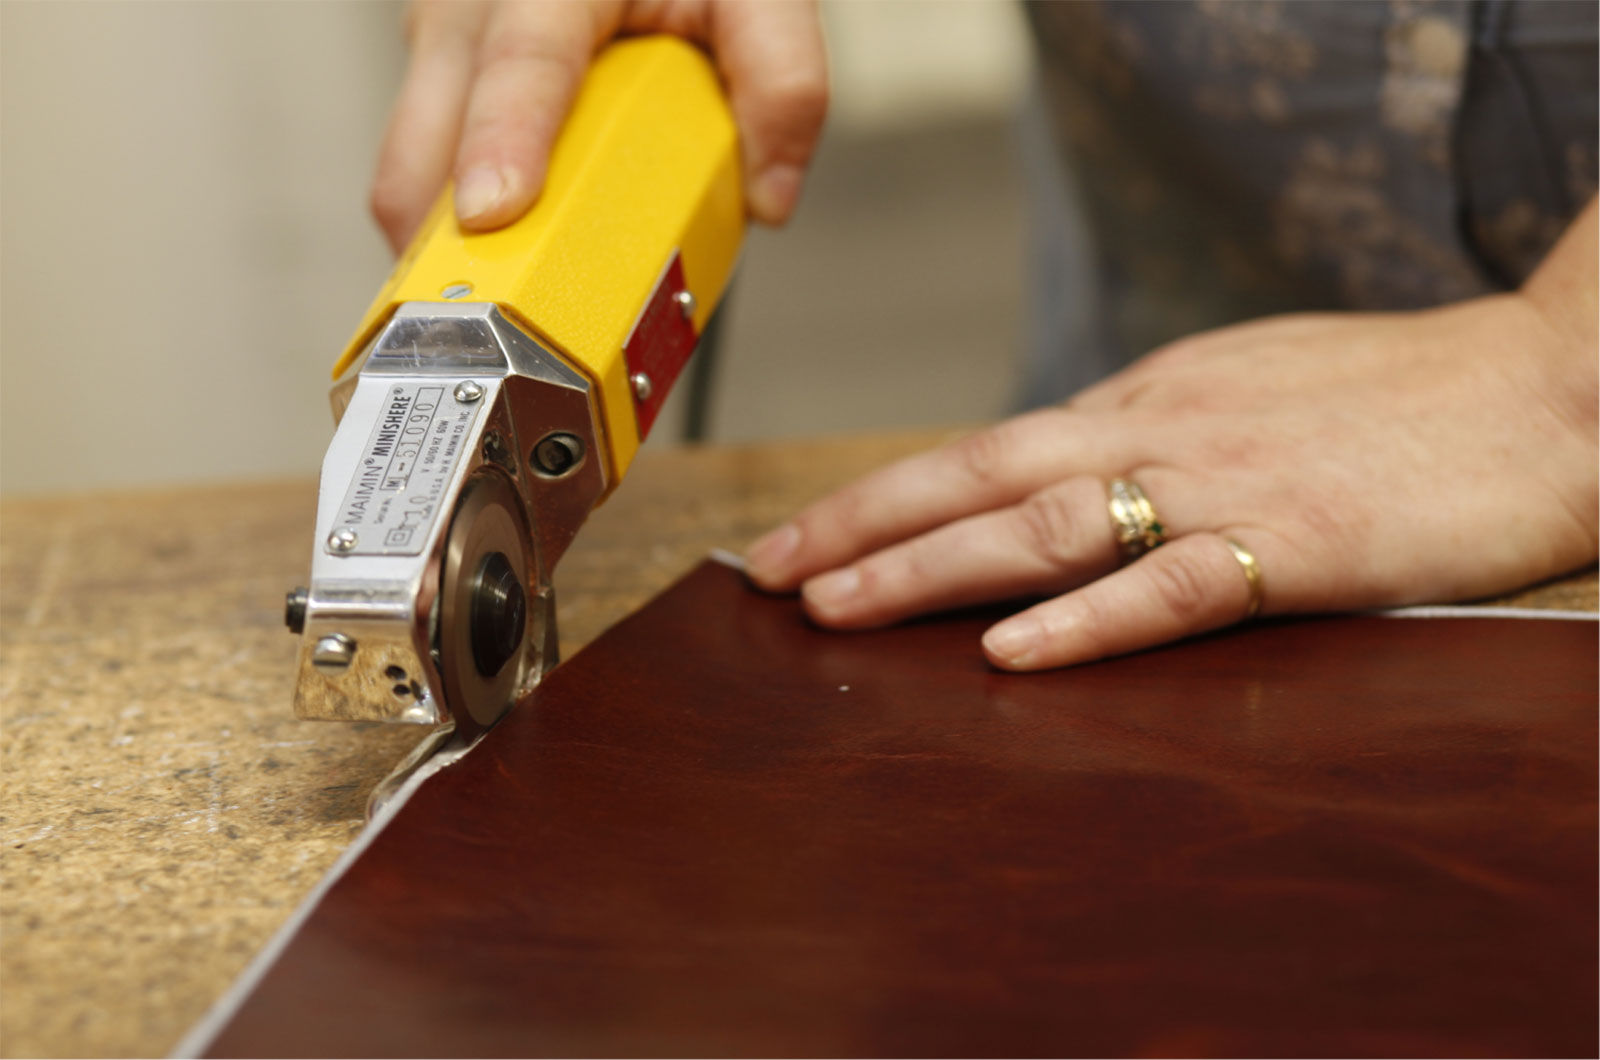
x: 718, y: 830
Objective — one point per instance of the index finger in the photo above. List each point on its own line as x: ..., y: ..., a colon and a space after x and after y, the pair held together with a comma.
x: 532, y: 58
x: 420, y: 140
x: 993, y: 468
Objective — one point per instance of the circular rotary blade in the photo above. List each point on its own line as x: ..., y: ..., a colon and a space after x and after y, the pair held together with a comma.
x: 484, y: 616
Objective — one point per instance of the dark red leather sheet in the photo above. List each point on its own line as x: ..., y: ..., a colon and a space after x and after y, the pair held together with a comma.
x: 720, y: 831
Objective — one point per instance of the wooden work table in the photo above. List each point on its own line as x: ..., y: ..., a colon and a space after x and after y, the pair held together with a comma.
x: 164, y: 813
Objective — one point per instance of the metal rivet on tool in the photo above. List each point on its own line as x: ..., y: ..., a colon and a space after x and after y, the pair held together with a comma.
x: 333, y: 652
x: 294, y: 609
x: 557, y: 453
x: 642, y: 387
x: 467, y: 391
x: 456, y: 290
x: 686, y: 303
x: 342, y: 540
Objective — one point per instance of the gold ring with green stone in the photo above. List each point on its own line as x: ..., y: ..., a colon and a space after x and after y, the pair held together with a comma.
x: 1134, y: 519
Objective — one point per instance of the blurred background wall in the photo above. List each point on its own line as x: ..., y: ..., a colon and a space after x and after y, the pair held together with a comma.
x: 184, y: 243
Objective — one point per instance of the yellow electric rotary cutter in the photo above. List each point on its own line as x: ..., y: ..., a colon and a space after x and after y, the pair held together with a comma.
x: 498, y: 388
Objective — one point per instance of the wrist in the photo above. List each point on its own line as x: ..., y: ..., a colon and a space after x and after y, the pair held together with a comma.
x: 1556, y: 338
x: 1564, y: 292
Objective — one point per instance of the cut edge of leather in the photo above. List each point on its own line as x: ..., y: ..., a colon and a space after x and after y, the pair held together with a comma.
x: 198, y: 1039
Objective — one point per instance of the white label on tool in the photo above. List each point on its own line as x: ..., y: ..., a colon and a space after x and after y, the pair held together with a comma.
x: 405, y: 469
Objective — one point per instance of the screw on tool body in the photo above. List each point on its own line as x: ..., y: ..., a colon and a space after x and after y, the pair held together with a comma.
x: 333, y: 653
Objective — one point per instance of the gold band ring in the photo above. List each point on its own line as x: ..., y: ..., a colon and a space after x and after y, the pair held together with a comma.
x: 1252, y: 574
x: 1133, y: 518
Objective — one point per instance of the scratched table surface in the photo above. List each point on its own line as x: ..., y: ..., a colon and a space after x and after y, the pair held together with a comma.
x: 163, y: 813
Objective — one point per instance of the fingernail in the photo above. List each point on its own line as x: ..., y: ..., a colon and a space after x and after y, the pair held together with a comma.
x: 774, y: 192
x: 768, y: 554
x: 1014, y: 641
x: 829, y: 591
x: 480, y: 191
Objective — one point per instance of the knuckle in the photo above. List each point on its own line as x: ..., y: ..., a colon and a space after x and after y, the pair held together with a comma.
x: 420, y: 16
x: 1240, y: 450
x: 801, y: 96
x: 877, y: 578
x: 1174, y: 394
x: 982, y: 456
x: 784, y: 121
x: 535, y: 53
x: 1052, y: 528
x: 432, y: 22
x: 1179, y: 351
x: 919, y: 563
x: 1091, y: 625
x: 1323, y: 519
x: 839, y: 517
x: 1134, y: 395
x: 845, y: 510
x: 1180, y: 585
x: 1335, y: 518
x: 387, y: 204
x: 1184, y: 398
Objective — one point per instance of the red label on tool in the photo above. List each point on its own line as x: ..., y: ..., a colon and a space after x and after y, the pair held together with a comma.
x: 660, y: 344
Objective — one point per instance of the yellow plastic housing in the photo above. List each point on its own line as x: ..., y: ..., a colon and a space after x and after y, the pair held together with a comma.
x: 646, y: 164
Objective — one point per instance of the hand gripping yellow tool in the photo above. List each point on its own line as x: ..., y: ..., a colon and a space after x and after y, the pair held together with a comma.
x: 497, y: 390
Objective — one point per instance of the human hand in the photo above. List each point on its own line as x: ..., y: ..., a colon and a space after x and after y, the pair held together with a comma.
x: 1364, y: 460
x: 489, y: 85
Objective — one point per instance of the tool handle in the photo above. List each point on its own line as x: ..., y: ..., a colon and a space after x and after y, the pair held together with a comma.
x: 621, y: 261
